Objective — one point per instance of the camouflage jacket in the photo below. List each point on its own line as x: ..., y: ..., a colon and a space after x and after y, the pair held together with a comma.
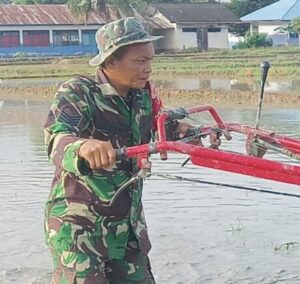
x: 77, y: 206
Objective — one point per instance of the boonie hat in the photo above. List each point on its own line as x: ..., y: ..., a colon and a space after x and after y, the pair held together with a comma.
x: 113, y: 35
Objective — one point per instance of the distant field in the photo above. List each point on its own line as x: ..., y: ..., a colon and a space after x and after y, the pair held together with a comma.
x: 284, y: 62
x: 172, y: 98
x: 238, y: 63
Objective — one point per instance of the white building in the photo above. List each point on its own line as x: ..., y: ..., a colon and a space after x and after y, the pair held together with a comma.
x: 49, y: 30
x: 201, y: 26
x: 271, y: 18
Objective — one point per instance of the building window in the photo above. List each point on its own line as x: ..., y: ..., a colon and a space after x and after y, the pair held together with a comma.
x: 88, y: 37
x: 189, y: 30
x: 214, y: 30
x: 9, y: 39
x: 65, y: 38
x: 36, y: 38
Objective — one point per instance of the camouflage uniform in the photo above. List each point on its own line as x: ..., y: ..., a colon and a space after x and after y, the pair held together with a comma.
x: 90, y: 241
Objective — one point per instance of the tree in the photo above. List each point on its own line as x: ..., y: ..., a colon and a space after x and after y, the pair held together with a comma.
x: 80, y: 8
x: 296, y: 27
x: 181, y: 1
x: 296, y: 24
x: 23, y: 2
x: 255, y: 40
x: 244, y: 7
x: 30, y: 2
x: 50, y: 1
x: 122, y: 7
x: 239, y: 29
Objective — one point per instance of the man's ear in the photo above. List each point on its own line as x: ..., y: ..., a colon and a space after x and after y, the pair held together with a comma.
x: 110, y: 63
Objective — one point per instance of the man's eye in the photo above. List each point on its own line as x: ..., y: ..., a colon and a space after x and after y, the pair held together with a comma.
x: 141, y: 60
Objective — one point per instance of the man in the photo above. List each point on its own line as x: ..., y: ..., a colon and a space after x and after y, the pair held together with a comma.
x: 92, y: 240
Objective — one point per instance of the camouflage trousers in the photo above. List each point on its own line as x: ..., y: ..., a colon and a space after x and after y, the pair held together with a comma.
x: 133, y: 268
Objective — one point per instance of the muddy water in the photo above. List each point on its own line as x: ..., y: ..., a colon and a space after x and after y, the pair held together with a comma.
x: 279, y: 85
x: 283, y: 85
x: 200, y: 233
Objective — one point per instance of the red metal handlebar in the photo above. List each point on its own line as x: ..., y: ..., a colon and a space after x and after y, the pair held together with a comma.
x: 222, y: 160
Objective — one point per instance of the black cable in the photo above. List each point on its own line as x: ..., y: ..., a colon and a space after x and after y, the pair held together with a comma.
x: 226, y: 185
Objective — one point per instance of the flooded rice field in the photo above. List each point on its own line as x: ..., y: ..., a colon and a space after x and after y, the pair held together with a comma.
x: 274, y: 85
x: 200, y: 233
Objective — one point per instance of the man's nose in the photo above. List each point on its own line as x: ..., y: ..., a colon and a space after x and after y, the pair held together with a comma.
x: 148, y: 68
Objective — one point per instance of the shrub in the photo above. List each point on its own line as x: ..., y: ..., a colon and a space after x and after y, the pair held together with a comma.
x: 255, y: 40
x: 20, y: 55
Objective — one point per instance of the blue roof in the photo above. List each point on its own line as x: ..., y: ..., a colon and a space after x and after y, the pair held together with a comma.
x: 283, y: 10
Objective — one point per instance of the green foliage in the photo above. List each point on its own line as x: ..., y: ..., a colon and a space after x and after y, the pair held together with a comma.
x: 296, y: 24
x: 50, y: 1
x: 180, y: 1
x: 23, y: 2
x: 288, y: 29
x: 238, y: 62
x: 30, y: 2
x: 20, y: 55
x: 80, y: 7
x: 244, y: 7
x: 139, y: 3
x: 241, y: 8
x: 292, y: 28
x: 239, y: 29
x: 123, y: 8
x: 255, y: 40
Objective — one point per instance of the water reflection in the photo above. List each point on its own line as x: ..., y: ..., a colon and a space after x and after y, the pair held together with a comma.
x: 12, y: 83
x: 282, y: 85
x: 200, y: 233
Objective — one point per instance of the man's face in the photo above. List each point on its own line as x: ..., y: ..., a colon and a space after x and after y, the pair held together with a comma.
x: 133, y: 69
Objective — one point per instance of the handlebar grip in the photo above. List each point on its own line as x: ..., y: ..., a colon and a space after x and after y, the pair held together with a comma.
x: 191, y: 131
x: 120, y: 154
x: 178, y: 113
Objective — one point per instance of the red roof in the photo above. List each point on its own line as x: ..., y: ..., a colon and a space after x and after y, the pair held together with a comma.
x: 45, y: 15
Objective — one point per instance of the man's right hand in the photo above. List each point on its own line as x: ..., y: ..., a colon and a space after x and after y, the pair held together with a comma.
x: 99, y: 154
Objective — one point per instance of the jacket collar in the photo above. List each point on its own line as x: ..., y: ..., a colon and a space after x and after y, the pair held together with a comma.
x: 106, y: 88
